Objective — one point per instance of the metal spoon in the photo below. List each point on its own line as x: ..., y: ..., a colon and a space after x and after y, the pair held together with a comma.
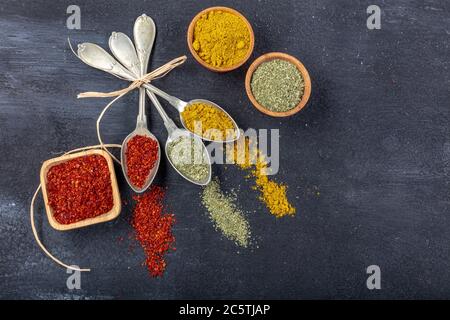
x: 173, y: 134
x: 96, y: 57
x: 123, y: 49
x: 181, y: 105
x: 144, y: 34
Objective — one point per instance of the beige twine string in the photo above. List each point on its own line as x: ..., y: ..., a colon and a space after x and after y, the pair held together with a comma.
x: 155, y: 74
x: 33, y: 227
x: 147, y: 78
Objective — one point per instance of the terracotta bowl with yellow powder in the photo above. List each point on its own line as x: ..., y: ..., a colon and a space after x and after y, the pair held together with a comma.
x: 221, y: 39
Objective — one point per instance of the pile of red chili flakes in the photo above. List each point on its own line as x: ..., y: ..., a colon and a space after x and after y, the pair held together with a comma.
x: 153, y: 229
x: 79, y: 189
x: 141, y: 156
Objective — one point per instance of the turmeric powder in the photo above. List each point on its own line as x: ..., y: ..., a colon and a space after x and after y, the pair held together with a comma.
x: 209, y: 122
x: 273, y: 194
x: 221, y: 39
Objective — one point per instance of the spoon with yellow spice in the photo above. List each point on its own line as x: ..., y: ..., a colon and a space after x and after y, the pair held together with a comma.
x: 203, y: 118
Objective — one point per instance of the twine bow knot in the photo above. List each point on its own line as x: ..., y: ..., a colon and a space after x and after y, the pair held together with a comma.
x: 147, y: 78
x: 137, y: 83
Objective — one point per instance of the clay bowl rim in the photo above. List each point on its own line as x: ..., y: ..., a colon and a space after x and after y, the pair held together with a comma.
x: 284, y: 56
x: 190, y: 36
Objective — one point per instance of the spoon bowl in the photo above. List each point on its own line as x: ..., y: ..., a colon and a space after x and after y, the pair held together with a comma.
x: 236, y: 134
x: 177, y: 133
x: 141, y: 131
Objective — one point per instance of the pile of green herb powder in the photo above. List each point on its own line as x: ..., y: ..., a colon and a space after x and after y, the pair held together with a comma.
x: 277, y: 85
x: 189, y: 156
x: 225, y: 215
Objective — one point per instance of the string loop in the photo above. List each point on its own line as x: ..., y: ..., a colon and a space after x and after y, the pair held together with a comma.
x: 33, y: 227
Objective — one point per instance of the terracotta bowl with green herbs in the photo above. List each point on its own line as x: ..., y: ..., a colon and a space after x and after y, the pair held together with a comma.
x: 278, y: 84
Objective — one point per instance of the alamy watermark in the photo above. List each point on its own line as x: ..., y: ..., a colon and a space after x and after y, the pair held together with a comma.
x: 374, y: 20
x: 74, y: 20
x: 253, y: 145
x: 374, y: 280
x: 74, y: 280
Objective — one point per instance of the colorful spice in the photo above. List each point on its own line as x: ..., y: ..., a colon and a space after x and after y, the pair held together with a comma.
x: 224, y: 213
x: 79, y: 189
x: 153, y: 229
x: 141, y: 156
x: 189, y: 156
x: 273, y: 194
x: 209, y: 122
x: 221, y: 39
x: 277, y: 85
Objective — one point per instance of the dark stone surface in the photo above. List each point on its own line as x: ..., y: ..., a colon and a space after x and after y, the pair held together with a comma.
x: 374, y: 140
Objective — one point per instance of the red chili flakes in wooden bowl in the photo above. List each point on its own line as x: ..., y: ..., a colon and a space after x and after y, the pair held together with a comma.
x: 79, y: 189
x: 141, y: 156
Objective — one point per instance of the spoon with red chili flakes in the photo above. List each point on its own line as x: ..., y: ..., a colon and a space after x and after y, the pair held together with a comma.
x: 140, y: 154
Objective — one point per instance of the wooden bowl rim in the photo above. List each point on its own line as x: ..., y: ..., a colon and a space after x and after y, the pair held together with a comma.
x: 284, y: 56
x: 190, y: 36
x: 110, y: 215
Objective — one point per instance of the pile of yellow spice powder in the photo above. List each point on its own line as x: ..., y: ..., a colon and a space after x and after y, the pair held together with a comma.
x: 221, y: 39
x: 273, y: 194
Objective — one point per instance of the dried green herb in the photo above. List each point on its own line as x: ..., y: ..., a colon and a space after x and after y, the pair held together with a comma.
x: 188, y: 156
x: 277, y: 85
x: 224, y: 213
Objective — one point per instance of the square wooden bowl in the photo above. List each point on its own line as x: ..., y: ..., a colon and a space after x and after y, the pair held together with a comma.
x: 112, y: 214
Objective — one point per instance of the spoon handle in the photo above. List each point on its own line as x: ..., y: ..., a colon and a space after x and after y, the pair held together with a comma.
x: 123, y: 49
x: 94, y: 56
x: 168, y: 122
x: 177, y: 103
x: 142, y: 117
x: 144, y: 32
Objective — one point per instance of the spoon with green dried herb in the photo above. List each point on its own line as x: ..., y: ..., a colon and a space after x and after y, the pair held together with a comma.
x: 186, y: 152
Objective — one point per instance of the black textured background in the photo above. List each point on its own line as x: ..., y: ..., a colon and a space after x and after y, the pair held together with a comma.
x: 374, y: 141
